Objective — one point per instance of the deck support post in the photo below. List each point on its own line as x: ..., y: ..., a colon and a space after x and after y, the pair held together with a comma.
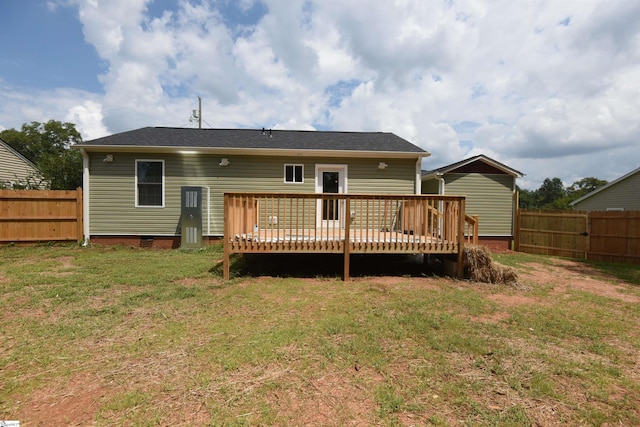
x: 347, y: 238
x: 227, y: 258
x: 461, y: 242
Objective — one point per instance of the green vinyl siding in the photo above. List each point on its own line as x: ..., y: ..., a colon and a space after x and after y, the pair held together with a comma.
x: 364, y: 177
x: 430, y: 186
x: 112, y: 186
x: 624, y: 194
x: 13, y: 167
x: 112, y: 194
x: 488, y: 196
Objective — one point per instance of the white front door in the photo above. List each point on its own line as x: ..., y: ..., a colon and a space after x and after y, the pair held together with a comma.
x: 331, y: 179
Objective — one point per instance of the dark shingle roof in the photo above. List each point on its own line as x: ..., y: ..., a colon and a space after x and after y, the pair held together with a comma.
x: 481, y: 157
x: 149, y: 137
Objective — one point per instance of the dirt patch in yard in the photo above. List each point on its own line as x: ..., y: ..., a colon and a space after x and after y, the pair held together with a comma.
x: 561, y: 277
x: 73, y: 401
x: 566, y: 275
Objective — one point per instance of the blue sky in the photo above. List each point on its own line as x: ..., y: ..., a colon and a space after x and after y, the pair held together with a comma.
x: 549, y: 87
x: 43, y: 48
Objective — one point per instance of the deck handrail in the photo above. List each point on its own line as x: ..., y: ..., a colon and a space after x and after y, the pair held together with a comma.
x: 471, y: 227
x: 258, y: 222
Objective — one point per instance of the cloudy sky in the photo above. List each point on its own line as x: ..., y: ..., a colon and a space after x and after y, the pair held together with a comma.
x: 549, y: 87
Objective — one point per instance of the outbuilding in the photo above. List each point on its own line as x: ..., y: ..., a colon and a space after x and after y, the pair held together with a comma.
x: 490, y: 191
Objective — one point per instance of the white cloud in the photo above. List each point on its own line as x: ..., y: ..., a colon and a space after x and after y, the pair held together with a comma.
x: 550, y: 88
x: 88, y: 120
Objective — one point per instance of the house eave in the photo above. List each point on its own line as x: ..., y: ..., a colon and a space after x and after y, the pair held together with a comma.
x: 431, y: 175
x: 187, y: 150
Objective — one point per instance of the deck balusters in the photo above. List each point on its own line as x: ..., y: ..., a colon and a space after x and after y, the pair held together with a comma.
x: 345, y: 223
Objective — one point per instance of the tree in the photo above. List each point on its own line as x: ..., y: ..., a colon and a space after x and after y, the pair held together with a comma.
x: 527, y: 199
x: 584, y: 186
x: 48, y: 146
x: 550, y: 192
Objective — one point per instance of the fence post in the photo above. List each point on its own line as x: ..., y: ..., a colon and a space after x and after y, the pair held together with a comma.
x: 516, y: 231
x: 79, y: 214
x: 588, y: 238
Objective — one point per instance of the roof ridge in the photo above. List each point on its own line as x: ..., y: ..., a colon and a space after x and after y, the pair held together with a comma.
x: 269, y: 129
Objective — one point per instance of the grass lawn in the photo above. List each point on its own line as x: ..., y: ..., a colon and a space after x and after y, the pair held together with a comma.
x: 119, y: 336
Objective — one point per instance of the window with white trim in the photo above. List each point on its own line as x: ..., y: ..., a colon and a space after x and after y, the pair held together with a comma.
x: 149, y: 183
x: 294, y: 174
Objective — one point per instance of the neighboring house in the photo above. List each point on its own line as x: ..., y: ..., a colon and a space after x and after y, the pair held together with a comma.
x: 14, y: 168
x: 133, y: 180
x: 489, y: 187
x: 623, y: 194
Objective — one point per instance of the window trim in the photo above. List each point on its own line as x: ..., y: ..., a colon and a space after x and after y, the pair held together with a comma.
x: 294, y: 165
x: 135, y: 173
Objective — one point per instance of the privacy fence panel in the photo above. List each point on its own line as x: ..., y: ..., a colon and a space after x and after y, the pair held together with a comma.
x: 40, y: 215
x: 605, y: 236
x: 557, y: 233
x: 615, y: 236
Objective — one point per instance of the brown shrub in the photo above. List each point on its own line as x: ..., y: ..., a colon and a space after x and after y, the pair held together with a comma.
x: 479, y: 267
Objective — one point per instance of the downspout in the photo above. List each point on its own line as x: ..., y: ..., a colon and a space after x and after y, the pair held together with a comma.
x: 419, y: 175
x: 515, y: 201
x: 441, y: 183
x: 85, y: 195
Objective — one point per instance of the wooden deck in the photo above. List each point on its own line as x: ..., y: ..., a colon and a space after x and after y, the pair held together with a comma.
x: 346, y: 224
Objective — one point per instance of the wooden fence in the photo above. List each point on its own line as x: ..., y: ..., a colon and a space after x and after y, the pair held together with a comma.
x: 612, y: 236
x: 40, y: 215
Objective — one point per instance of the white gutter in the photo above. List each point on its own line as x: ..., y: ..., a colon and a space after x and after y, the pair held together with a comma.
x: 279, y: 152
x: 85, y: 195
x: 514, y: 209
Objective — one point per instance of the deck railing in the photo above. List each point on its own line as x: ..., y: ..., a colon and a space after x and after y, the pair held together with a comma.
x: 471, y: 226
x: 345, y: 223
